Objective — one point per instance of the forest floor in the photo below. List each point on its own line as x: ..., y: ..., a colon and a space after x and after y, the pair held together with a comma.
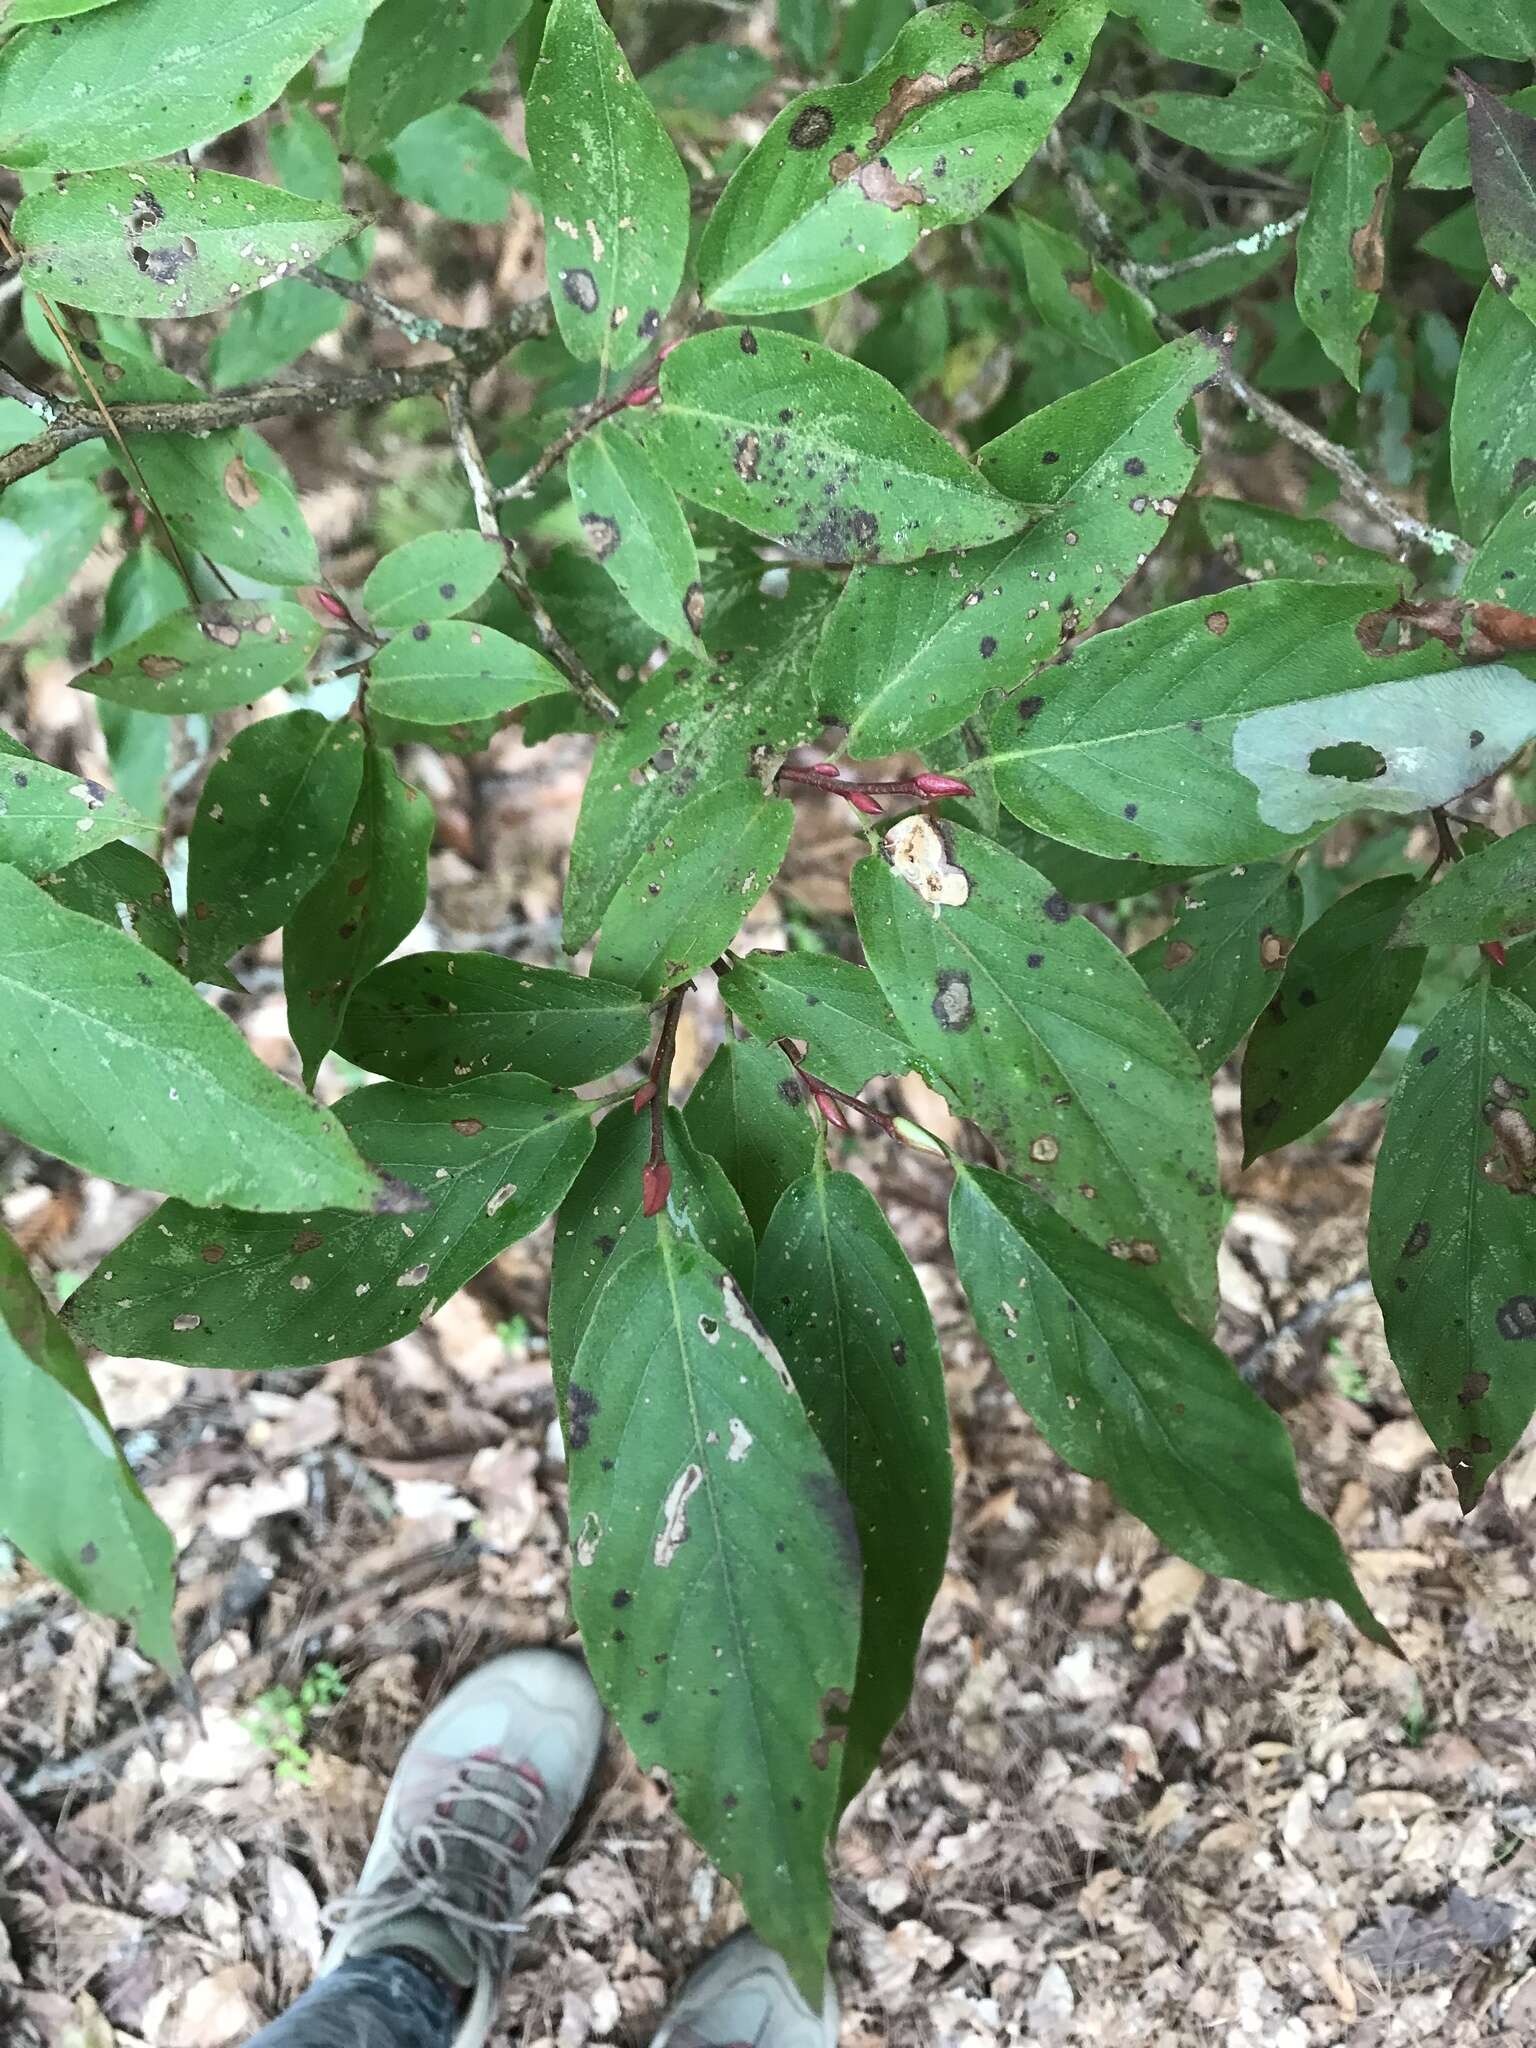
x: 1128, y: 1804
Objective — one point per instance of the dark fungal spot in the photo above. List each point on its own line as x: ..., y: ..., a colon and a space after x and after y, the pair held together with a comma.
x: 1056, y: 907
x: 19, y: 779
x: 448, y: 591
x: 622, y: 1598
x: 1472, y: 1390
x: 1306, y: 997
x: 1266, y: 1113
x: 1050, y: 455
x: 1030, y: 707
x: 789, y: 1090
x: 1129, y: 811
x: 603, y: 534
x: 898, y: 1352
x: 89, y: 1553
x: 1134, y: 466
x: 811, y: 127
x: 1034, y: 960
x: 952, y: 1007
x: 581, y: 1406
x: 1020, y: 89
x: 421, y: 630
x: 1416, y: 1240
x: 1429, y: 1055
x: 988, y: 647
x: 580, y: 289
x: 1475, y: 738
x: 748, y: 342
x: 1515, y: 1320
x: 649, y: 324
x: 651, y: 1717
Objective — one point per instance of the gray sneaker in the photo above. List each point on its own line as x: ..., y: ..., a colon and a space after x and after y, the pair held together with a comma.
x: 744, y: 1997
x: 486, y: 1788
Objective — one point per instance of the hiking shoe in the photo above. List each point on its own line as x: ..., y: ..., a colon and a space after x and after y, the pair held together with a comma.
x: 486, y: 1788
x: 744, y: 1997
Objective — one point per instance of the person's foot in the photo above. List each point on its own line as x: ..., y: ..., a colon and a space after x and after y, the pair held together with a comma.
x: 486, y: 1788
x: 744, y: 1997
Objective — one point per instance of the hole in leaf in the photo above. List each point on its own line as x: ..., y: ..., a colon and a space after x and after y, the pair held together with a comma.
x: 1350, y: 761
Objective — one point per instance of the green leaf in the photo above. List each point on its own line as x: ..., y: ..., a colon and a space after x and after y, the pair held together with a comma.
x: 121, y: 887
x: 144, y: 589
x: 1127, y: 1393
x: 148, y: 78
x: 1445, y: 162
x: 716, y: 1577
x: 272, y: 330
x: 909, y: 654
x: 1503, y: 156
x: 1221, y: 38
x: 635, y: 527
x: 615, y: 194
x: 451, y: 669
x: 1504, y: 568
x: 1451, y: 1254
x: 1493, y: 414
x: 51, y: 816
x: 717, y: 79
x: 1259, y: 542
x: 806, y: 28
x: 1276, y: 110
x: 458, y: 162
x: 748, y: 1112
x: 1213, y: 970
x: 113, y: 1062
x: 1494, y: 28
x: 230, y: 496
x: 431, y: 577
x: 815, y: 452
x: 1043, y: 1033
x: 269, y: 823
x: 1191, y: 736
x: 19, y: 12
x: 167, y: 240
x: 1077, y: 296
x: 209, y: 657
x: 70, y: 1501
x: 1489, y: 895
x: 847, y: 1312
x: 47, y: 528
x: 416, y: 56
x: 689, y: 893
x: 849, y: 177
x: 1081, y: 877
x: 1343, y: 996
x: 600, y: 1224
x: 1341, y: 247
x: 690, y: 729
x: 434, y: 1018
x: 833, y: 1007
x: 369, y: 899
x: 220, y: 1287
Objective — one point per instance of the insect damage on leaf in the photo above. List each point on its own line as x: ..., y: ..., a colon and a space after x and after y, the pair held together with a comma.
x: 918, y: 850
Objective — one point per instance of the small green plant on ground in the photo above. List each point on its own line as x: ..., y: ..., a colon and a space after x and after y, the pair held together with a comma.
x: 281, y: 1719
x: 875, y: 441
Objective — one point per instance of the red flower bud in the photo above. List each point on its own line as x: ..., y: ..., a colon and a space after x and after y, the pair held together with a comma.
x: 644, y: 1096
x: 642, y: 394
x: 831, y: 1110
x: 828, y: 771
x: 657, y: 1182
x: 861, y: 802
x: 1494, y: 952
x: 327, y: 603
x: 930, y: 785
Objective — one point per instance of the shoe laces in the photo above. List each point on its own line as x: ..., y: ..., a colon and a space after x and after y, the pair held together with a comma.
x: 477, y: 1849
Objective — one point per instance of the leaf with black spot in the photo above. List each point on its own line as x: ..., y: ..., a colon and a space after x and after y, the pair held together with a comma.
x: 416, y: 56
x: 437, y: 672
x: 837, y: 1293
x: 1218, y: 963
x: 209, y: 657
x: 1493, y: 412
x: 124, y: 888
x: 1341, y: 247
x: 1503, y: 156
x: 490, y: 1160
x: 1085, y: 1085
x: 50, y: 817
x: 615, y: 194
x: 635, y: 527
x: 834, y: 1007
x: 1126, y: 1392
x: 1343, y: 995
x: 1453, y: 1240
x: 749, y: 1112
x: 431, y: 577
x: 716, y: 1577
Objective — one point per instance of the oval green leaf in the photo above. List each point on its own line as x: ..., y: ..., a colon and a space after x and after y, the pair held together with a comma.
x: 207, y: 658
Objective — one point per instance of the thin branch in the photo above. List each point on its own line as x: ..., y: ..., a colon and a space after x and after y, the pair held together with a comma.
x: 414, y: 326
x: 11, y: 386
x: 1101, y: 233
x: 483, y: 491
x: 1254, y: 244
x: 282, y: 399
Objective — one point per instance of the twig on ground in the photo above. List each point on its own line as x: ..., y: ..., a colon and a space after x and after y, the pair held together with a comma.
x: 1106, y: 244
x: 1310, y: 1316
x: 58, y: 1880
x: 483, y: 491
